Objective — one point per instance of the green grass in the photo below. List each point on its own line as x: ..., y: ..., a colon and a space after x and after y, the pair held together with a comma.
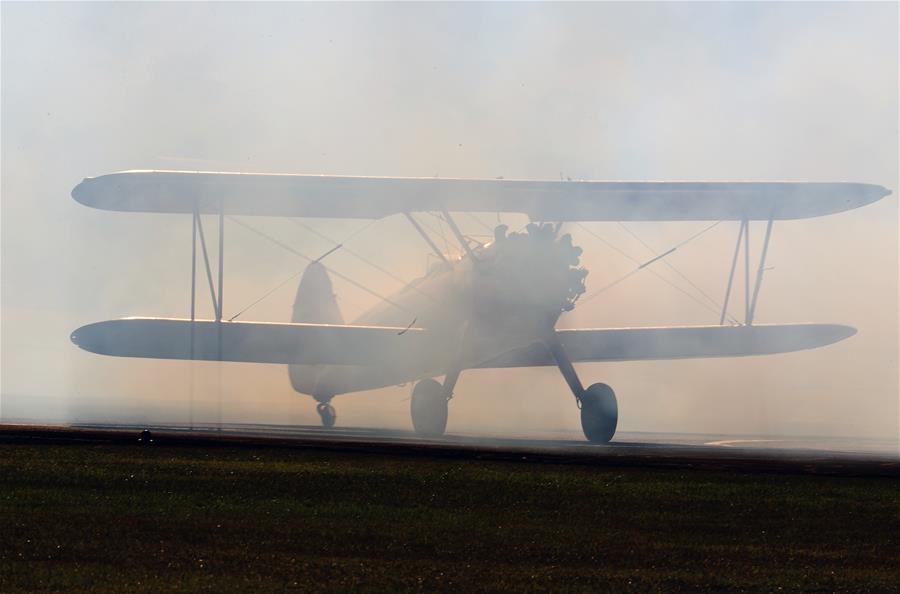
x: 128, y: 519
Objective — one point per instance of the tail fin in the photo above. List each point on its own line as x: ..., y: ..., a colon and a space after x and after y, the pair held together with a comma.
x: 315, y: 301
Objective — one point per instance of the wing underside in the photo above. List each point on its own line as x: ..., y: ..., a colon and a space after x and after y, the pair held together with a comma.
x: 415, y: 350
x: 251, y: 342
x: 645, y: 344
x: 291, y: 195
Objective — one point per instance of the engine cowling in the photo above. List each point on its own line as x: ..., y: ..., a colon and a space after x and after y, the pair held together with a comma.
x: 533, y: 269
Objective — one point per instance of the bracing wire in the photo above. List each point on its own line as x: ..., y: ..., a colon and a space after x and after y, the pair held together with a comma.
x: 295, y: 275
x: 643, y: 265
x: 672, y: 266
x: 358, y: 231
x: 308, y: 259
x: 469, y: 237
x: 441, y: 232
x: 611, y: 285
x: 607, y: 243
x: 640, y: 265
x: 425, y: 224
x: 481, y: 223
x: 440, y: 219
x: 271, y: 291
x: 343, y: 245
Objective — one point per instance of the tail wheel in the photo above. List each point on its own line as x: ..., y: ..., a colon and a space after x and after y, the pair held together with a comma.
x: 326, y: 411
x: 428, y: 408
x: 599, y: 413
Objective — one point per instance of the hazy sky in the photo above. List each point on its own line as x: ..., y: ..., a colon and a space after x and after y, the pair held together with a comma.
x: 710, y: 91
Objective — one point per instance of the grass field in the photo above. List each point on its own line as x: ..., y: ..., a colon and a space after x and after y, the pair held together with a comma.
x: 129, y: 519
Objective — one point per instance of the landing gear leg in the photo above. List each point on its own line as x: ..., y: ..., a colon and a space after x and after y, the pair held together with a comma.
x: 428, y: 406
x: 599, y: 410
x: 327, y: 413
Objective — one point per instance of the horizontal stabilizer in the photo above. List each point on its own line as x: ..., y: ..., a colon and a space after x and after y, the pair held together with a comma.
x: 643, y: 344
x: 289, y: 195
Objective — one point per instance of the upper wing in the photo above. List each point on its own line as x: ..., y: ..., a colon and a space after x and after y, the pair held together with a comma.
x: 376, y: 197
x: 416, y: 350
x: 641, y: 344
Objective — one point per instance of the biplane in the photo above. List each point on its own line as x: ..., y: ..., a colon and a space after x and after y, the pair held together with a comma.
x: 495, y: 306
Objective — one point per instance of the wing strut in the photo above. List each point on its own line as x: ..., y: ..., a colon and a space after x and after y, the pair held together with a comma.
x: 193, y: 274
x: 749, y: 303
x: 192, y: 341
x: 425, y: 236
x: 747, y: 272
x: 216, y: 293
x: 221, y: 260
x: 737, y: 250
x: 759, y: 271
x: 459, y: 236
x: 198, y: 221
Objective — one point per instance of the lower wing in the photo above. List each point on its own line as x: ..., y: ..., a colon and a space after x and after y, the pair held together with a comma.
x: 411, y: 348
x: 644, y: 344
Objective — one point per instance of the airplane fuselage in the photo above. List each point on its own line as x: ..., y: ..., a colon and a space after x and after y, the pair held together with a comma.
x: 472, y: 314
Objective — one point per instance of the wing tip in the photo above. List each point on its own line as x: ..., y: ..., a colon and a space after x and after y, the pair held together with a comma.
x: 80, y: 192
x: 842, y: 332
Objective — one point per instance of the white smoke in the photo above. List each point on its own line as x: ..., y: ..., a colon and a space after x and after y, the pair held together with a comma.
x: 590, y: 91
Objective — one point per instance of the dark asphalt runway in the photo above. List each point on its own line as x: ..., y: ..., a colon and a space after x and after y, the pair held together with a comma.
x: 824, y: 456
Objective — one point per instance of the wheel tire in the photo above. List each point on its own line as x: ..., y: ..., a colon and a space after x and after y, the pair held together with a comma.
x: 599, y: 413
x: 428, y: 408
x: 327, y: 413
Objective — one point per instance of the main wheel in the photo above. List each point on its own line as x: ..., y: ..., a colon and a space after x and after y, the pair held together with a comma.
x: 329, y: 416
x: 599, y: 413
x: 428, y: 408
